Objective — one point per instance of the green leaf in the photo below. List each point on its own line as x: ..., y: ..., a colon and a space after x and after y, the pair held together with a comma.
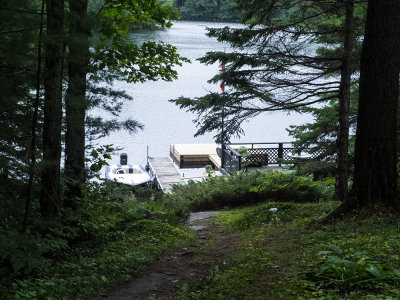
x: 373, y: 270
x: 348, y: 263
x: 325, y: 252
x: 335, y: 249
x: 321, y: 270
x: 335, y: 259
x: 396, y: 272
x: 94, y: 153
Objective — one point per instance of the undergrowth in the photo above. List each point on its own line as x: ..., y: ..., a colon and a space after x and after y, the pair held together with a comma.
x: 110, y: 238
x: 113, y: 235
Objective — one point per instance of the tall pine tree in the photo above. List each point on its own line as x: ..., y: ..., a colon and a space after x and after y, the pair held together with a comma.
x: 375, y: 174
x: 75, y: 99
x: 50, y: 200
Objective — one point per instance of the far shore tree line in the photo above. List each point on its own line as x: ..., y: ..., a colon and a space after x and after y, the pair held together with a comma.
x: 206, y: 10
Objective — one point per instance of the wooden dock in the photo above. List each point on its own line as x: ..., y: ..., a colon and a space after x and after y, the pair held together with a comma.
x: 165, y: 172
x: 165, y: 169
x: 195, y: 155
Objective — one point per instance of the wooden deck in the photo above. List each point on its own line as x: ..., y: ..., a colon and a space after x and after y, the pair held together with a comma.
x: 165, y: 172
x: 195, y: 155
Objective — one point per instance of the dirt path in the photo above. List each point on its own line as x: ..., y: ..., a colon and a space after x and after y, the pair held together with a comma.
x: 165, y: 278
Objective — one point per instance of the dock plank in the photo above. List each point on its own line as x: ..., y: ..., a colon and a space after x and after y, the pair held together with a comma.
x: 165, y: 172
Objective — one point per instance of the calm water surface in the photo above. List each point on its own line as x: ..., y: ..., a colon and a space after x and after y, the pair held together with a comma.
x: 164, y: 122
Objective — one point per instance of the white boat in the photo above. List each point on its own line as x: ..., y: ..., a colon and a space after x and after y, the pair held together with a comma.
x: 127, y: 174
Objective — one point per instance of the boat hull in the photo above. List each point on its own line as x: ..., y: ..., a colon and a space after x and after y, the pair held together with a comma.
x: 132, y: 175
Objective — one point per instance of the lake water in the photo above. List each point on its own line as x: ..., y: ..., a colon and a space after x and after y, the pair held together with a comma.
x: 164, y: 122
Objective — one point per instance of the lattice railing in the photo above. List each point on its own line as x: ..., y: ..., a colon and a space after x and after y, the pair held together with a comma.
x: 259, y: 156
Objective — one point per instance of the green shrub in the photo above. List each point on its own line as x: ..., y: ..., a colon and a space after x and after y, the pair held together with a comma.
x: 108, y: 209
x: 246, y: 188
x: 108, y: 238
x: 217, y: 192
x: 318, y: 169
x: 89, y: 272
x: 24, y: 253
x: 288, y: 186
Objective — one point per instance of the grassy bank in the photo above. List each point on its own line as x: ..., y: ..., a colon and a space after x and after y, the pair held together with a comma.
x: 282, y: 257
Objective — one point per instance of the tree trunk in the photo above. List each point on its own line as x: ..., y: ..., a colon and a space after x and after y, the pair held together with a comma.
x: 342, y: 161
x: 50, y: 194
x: 375, y: 173
x: 32, y: 149
x: 78, y: 62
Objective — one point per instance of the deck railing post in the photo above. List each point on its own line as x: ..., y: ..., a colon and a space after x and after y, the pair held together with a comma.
x: 280, y: 151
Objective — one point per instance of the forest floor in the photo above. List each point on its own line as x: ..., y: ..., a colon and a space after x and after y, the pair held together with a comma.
x: 181, y: 266
x: 245, y: 254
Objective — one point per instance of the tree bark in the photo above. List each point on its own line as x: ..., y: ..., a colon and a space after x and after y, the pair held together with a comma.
x: 50, y: 194
x: 78, y: 62
x: 32, y: 149
x: 375, y: 173
x: 342, y: 161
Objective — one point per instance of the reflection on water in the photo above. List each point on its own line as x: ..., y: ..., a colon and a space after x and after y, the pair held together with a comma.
x: 164, y: 122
